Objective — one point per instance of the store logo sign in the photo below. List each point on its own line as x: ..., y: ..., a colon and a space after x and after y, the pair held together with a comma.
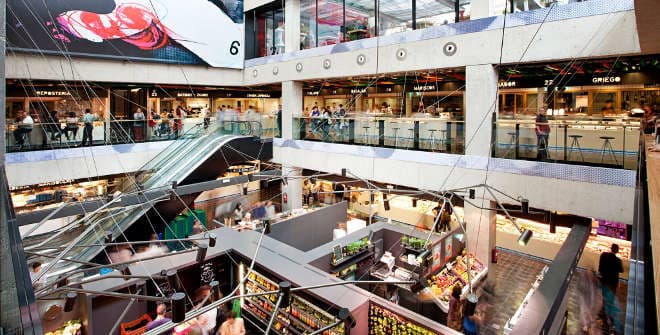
x: 358, y: 90
x: 312, y: 93
x: 424, y: 88
x: 192, y: 95
x: 258, y: 95
x: 502, y: 84
x: 606, y: 80
x: 52, y: 93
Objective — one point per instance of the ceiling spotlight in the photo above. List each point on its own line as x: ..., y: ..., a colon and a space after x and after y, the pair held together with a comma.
x: 201, y: 252
x: 473, y: 193
x: 178, y: 307
x: 245, y: 190
x: 172, y: 280
x: 70, y: 301
x: 285, y: 291
x: 266, y: 227
x: 525, y: 236
x: 524, y: 205
x: 471, y: 304
x: 212, y: 239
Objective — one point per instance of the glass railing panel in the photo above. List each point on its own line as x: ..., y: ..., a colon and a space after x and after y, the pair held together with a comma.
x: 46, y: 136
x: 421, y: 134
x: 588, y: 142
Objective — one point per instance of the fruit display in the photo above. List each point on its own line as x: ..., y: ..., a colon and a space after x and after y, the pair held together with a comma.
x: 72, y: 327
x: 385, y: 322
x: 455, y: 273
x: 301, y: 317
x: 442, y: 283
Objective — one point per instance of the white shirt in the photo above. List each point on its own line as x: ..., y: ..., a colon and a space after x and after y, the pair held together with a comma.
x: 27, y: 122
x: 211, y: 316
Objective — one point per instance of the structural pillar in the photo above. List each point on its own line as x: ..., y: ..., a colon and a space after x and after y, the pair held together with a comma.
x: 292, y: 25
x: 292, y: 106
x: 292, y: 188
x: 480, y: 106
x: 480, y: 225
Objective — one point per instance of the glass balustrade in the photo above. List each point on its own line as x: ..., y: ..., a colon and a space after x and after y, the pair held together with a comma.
x: 585, y: 142
x: 422, y: 134
x: 48, y: 136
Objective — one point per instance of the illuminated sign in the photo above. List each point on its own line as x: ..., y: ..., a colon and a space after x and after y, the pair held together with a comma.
x: 423, y: 88
x: 358, y: 90
x: 312, y: 93
x: 191, y: 95
x: 52, y: 93
x: 502, y: 84
x: 606, y: 80
x: 258, y: 95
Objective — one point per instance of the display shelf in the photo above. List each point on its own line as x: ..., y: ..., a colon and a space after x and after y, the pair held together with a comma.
x: 353, y: 259
x: 263, y: 320
x: 300, y: 317
x: 508, y: 327
x: 385, y: 322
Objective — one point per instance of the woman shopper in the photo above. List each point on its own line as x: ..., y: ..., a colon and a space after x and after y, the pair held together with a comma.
x: 138, y: 125
x: 455, y: 313
x: 232, y: 326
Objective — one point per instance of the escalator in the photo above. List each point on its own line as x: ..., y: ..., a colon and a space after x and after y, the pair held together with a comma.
x: 197, y: 156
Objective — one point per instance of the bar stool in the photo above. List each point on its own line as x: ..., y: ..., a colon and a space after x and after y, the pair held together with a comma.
x: 432, y: 139
x: 575, y: 143
x: 512, y: 144
x: 412, y: 137
x: 444, y: 139
x: 365, y: 137
x: 396, y: 136
x: 607, y: 146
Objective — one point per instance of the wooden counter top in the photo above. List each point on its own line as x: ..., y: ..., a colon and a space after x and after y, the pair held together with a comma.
x: 653, y: 180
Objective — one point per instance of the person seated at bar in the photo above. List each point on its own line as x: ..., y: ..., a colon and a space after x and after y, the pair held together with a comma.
x: 24, y: 123
x: 71, y: 126
x: 608, y: 108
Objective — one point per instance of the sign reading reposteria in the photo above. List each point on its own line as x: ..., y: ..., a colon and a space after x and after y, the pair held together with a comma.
x: 172, y: 31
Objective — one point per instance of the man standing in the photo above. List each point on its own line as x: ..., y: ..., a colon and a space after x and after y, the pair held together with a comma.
x: 609, y: 267
x: 279, y: 120
x: 88, y: 119
x: 206, y: 114
x: 542, y: 135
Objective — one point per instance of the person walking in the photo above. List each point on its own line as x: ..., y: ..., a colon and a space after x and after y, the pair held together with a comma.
x: 609, y: 267
x: 455, y: 312
x: 88, y: 119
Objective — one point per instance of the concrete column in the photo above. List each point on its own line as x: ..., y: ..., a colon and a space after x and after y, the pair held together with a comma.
x: 480, y: 227
x: 293, y: 188
x: 107, y: 117
x: 292, y: 25
x: 480, y: 104
x: 482, y: 8
x: 292, y: 105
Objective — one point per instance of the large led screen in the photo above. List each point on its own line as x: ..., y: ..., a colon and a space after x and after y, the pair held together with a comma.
x: 174, y: 31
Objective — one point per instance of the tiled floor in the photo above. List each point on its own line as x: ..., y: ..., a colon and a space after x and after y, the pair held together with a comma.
x: 515, y: 275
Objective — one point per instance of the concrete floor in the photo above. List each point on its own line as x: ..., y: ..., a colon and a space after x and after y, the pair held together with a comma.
x: 514, y: 277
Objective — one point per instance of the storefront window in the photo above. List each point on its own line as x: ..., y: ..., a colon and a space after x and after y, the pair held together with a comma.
x: 605, y: 103
x: 307, y: 24
x: 360, y: 19
x: 330, y: 21
x: 431, y: 13
x: 394, y: 16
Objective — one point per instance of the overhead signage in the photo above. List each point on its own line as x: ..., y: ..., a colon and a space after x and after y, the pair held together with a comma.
x: 52, y: 93
x: 424, y: 88
x: 158, y: 31
x: 506, y: 84
x: 258, y: 95
x: 358, y: 90
x: 606, y: 80
x: 191, y: 95
x: 312, y: 93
